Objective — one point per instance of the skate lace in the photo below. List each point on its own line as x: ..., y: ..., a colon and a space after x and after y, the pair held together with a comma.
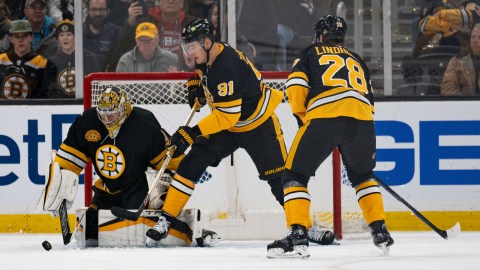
x: 162, y: 225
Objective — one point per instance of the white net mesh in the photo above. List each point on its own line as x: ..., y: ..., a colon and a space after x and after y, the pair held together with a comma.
x: 234, y: 191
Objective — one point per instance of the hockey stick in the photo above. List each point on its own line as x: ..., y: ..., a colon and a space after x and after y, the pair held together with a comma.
x: 66, y: 234
x: 445, y: 234
x: 65, y: 226
x: 133, y: 216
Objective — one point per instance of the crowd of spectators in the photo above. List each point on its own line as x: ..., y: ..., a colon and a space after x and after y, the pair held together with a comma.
x: 141, y: 36
x: 444, y: 45
x: 144, y: 36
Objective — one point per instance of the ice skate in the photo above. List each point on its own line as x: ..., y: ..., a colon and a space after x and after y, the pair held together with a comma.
x: 381, y: 237
x: 160, y: 230
x: 295, y: 244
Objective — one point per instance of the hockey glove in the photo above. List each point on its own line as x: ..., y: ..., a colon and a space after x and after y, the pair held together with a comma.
x: 195, y: 92
x: 183, y: 138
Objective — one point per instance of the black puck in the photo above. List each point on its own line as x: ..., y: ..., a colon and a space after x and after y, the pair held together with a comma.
x: 46, y: 245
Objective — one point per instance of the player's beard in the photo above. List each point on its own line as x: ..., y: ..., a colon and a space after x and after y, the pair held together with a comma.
x: 97, y: 21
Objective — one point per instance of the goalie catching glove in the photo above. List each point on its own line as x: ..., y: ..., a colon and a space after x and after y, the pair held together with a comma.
x: 183, y: 138
x: 61, y: 185
x: 195, y: 92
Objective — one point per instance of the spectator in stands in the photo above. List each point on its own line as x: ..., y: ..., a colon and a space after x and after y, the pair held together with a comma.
x: 200, y: 8
x: 5, y: 21
x: 24, y: 73
x: 100, y: 35
x: 147, y: 56
x: 16, y: 9
x: 56, y: 8
x: 168, y: 16
x: 119, y: 11
x: 258, y: 23
x: 64, y: 59
x: 446, y: 25
x: 214, y: 18
x: 44, y: 41
x: 462, y: 75
x: 293, y: 15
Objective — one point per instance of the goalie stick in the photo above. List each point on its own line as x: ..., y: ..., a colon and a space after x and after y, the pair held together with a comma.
x: 445, y: 234
x: 64, y: 224
x: 133, y: 216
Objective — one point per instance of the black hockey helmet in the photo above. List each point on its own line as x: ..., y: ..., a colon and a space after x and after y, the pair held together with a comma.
x: 331, y: 28
x: 197, y: 30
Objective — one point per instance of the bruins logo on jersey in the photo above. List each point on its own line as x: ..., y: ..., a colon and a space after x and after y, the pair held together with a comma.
x: 66, y: 81
x: 110, y: 161
x: 15, y: 86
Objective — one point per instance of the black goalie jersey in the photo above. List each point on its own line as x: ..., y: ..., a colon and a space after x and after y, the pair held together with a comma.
x: 118, y: 162
x: 235, y: 93
x: 328, y: 82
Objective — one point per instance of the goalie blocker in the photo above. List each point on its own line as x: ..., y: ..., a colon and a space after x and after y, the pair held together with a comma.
x: 116, y: 232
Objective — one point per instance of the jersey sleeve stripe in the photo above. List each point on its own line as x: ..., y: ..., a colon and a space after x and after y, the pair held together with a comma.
x: 297, y: 81
x: 231, y: 110
x: 74, y: 152
x: 266, y: 101
x: 72, y: 155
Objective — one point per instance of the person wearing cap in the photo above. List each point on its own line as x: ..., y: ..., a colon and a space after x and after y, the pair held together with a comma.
x: 24, y: 73
x: 43, y: 27
x: 169, y: 17
x: 147, y: 56
x: 64, y: 60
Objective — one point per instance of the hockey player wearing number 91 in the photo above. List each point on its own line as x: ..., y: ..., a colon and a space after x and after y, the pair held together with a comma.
x: 242, y: 116
x: 330, y: 94
x: 122, y: 141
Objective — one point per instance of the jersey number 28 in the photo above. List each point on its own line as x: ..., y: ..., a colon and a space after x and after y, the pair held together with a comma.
x: 356, y: 76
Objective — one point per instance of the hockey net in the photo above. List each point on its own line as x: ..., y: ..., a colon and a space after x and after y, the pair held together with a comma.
x: 234, y: 202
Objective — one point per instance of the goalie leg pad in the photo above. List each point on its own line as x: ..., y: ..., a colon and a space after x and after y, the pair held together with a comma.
x: 60, y: 185
x: 115, y: 232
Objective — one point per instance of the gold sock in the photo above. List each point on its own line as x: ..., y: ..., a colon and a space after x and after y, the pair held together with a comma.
x: 178, y: 194
x: 370, y: 201
x: 297, y: 206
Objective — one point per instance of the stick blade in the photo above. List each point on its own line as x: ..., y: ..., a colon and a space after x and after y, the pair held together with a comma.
x: 454, y: 231
x: 123, y: 213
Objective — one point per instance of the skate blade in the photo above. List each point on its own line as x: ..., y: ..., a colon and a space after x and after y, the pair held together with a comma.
x: 300, y: 252
x: 384, y: 248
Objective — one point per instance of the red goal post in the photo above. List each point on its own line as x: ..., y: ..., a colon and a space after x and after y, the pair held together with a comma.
x: 165, y: 95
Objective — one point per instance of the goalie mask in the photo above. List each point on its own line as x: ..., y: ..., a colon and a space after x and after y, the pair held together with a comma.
x: 332, y: 29
x: 113, y: 109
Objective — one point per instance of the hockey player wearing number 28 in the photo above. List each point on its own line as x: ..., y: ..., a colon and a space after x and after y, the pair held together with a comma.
x: 331, y: 96
x: 242, y: 116
x: 108, y: 135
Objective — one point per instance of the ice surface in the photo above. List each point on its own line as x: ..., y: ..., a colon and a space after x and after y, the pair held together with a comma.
x: 419, y: 250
